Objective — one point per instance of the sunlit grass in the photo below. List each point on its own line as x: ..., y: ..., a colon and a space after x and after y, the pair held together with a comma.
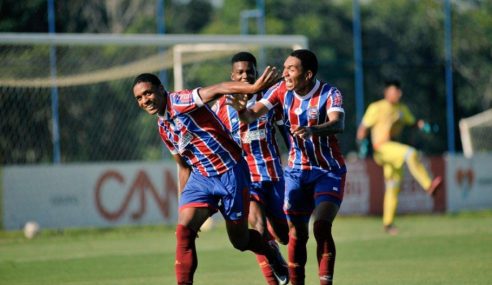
x: 440, y: 249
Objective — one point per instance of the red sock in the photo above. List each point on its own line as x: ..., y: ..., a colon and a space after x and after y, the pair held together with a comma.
x: 325, y: 251
x: 261, y: 248
x: 297, y: 260
x: 186, y: 259
x: 266, y: 270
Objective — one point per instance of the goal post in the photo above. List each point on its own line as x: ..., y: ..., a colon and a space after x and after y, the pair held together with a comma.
x: 476, y: 133
x: 94, y: 73
x: 213, y: 46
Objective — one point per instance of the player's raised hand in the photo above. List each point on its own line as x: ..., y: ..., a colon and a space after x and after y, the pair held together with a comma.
x: 237, y: 101
x: 302, y: 132
x: 427, y: 127
x: 269, y: 77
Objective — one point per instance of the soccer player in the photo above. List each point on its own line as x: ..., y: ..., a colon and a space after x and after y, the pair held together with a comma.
x: 386, y: 119
x: 211, y: 168
x: 315, y: 175
x: 261, y: 152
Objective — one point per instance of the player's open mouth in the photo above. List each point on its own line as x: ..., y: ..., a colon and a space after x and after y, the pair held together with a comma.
x: 150, y: 107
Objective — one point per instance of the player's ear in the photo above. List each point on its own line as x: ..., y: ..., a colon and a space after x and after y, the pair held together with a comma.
x: 162, y: 90
x: 232, y: 76
x: 309, y: 75
x: 255, y: 71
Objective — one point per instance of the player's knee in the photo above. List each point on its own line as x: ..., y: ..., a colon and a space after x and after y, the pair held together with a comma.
x: 298, y: 234
x: 411, y: 155
x: 283, y: 234
x: 258, y: 225
x: 283, y: 239
x: 184, y: 236
x: 322, y: 229
x: 240, y: 244
x: 392, y: 185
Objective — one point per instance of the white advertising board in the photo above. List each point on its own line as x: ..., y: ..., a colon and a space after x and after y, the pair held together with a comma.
x: 469, y: 182
x: 90, y: 195
x: 412, y: 197
x: 356, y: 195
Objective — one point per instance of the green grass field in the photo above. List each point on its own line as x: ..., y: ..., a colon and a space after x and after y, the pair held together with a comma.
x: 447, y: 249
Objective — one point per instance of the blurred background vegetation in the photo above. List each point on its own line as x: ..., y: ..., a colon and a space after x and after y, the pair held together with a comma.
x: 400, y: 39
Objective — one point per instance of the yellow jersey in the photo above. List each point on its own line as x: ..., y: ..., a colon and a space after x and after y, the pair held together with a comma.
x: 386, y: 121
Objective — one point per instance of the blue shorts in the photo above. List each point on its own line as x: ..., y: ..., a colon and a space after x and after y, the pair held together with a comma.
x: 271, y: 195
x: 304, y: 190
x: 227, y: 192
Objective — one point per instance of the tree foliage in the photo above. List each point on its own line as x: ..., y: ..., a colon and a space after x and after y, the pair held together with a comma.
x: 403, y: 39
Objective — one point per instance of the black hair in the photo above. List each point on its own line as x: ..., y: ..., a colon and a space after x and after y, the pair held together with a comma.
x: 308, y: 60
x: 243, y: 56
x: 147, y: 77
x: 392, y: 82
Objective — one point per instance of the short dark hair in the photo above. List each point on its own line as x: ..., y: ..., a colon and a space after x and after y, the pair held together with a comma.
x: 243, y: 56
x: 147, y: 77
x: 308, y: 60
x: 392, y: 82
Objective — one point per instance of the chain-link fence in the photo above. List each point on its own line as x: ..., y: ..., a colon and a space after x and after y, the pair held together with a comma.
x: 98, y: 120
x: 97, y: 116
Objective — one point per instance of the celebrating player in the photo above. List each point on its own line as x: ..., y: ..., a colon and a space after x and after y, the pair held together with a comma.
x: 315, y: 175
x: 261, y: 151
x: 218, y: 178
x: 386, y: 119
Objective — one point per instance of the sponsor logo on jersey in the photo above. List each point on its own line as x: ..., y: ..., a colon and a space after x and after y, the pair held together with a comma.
x: 184, y: 140
x: 313, y: 113
x: 254, y: 136
x: 337, y: 99
x: 186, y: 98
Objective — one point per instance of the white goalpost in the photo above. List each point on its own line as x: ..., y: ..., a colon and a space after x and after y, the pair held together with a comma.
x: 78, y: 68
x: 185, y: 49
x: 476, y: 133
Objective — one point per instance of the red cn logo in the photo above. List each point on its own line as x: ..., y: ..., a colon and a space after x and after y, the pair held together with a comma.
x: 141, y: 186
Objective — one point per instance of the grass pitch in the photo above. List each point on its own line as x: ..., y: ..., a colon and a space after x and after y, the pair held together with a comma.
x: 447, y: 249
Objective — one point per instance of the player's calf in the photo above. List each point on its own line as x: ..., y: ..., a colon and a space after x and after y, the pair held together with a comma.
x: 297, y: 259
x: 186, y: 258
x: 325, y: 251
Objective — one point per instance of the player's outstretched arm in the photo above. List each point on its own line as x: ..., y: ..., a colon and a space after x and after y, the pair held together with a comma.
x: 239, y: 102
x: 362, y: 132
x: 269, y: 77
x: 362, y: 141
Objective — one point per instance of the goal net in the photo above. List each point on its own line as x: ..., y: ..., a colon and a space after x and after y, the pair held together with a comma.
x: 71, y: 93
x: 476, y: 133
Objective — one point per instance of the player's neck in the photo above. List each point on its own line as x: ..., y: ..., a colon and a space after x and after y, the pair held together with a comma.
x: 304, y: 90
x: 162, y: 111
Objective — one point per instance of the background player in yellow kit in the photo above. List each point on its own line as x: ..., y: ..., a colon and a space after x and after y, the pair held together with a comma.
x: 386, y: 118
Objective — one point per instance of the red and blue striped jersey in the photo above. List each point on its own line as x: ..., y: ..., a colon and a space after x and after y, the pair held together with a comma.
x: 191, y: 129
x: 257, y: 139
x: 309, y: 110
